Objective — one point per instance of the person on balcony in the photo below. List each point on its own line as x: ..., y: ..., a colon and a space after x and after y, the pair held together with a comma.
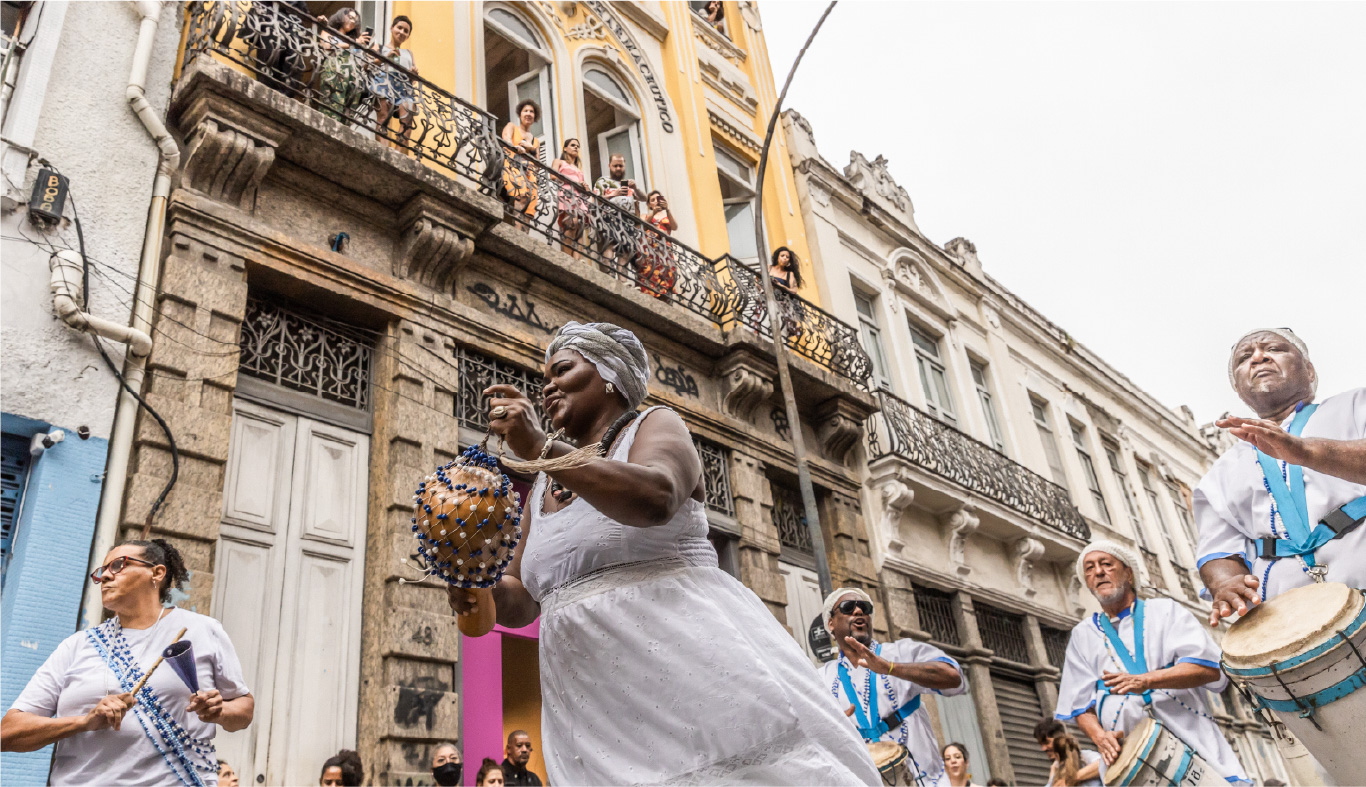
x: 1248, y: 551
x: 881, y: 683
x: 786, y: 272
x: 642, y: 637
x: 1138, y: 657
x: 618, y: 235
x: 520, y: 185
x: 658, y: 265
x: 716, y: 15
x: 394, y: 90
x: 572, y: 210
x: 339, y: 90
x: 278, y: 29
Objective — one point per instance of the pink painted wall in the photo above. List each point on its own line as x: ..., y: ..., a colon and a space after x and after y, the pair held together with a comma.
x: 481, y: 715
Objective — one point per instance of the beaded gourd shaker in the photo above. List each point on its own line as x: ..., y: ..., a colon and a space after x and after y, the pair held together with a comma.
x: 467, y: 521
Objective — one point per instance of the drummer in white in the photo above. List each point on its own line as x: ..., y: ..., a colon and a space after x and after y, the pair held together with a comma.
x: 1137, y: 655
x: 880, y: 683
x: 1288, y: 502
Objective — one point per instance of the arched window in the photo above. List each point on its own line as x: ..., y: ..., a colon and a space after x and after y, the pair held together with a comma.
x: 517, y: 66
x: 613, y: 125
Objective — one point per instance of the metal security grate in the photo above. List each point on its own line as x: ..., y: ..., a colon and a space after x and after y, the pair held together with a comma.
x: 788, y: 517
x: 478, y: 372
x: 13, y: 475
x: 1017, y: 699
x: 716, y: 476
x: 1003, y: 632
x: 936, y: 614
x: 1055, y: 645
x: 306, y: 353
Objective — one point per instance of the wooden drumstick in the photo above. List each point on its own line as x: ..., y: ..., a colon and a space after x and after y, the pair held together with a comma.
x: 482, y: 621
x: 155, y: 664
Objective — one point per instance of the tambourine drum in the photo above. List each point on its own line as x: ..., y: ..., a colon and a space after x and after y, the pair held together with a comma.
x: 1153, y: 755
x: 1302, y: 656
x: 890, y: 758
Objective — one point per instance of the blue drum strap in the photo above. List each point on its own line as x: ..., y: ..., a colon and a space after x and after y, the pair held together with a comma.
x: 1288, y: 493
x: 870, y: 730
x: 1135, y: 663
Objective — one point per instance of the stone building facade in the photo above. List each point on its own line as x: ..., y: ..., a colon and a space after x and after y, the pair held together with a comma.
x: 1002, y: 446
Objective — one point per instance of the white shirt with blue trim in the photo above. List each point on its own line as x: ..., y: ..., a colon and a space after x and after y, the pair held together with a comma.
x: 1233, y: 508
x: 1172, y: 635
x: 914, y: 733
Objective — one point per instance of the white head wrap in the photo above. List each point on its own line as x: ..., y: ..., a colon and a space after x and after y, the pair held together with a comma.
x: 1121, y: 552
x: 620, y: 357
x: 1284, y: 333
x: 831, y: 600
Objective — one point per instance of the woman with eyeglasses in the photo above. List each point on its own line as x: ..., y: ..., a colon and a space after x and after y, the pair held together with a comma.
x: 80, y: 698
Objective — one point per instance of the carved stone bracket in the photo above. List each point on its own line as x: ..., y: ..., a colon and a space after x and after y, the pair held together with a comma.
x: 839, y: 425
x: 748, y: 384
x: 960, y: 524
x: 436, y: 242
x: 1074, y: 589
x: 896, y: 496
x: 230, y: 149
x: 1026, y: 551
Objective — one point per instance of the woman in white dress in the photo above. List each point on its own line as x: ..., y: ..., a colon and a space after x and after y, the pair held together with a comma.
x: 656, y: 666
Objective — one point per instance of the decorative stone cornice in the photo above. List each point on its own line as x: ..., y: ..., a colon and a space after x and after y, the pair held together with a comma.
x: 230, y: 149
x: 436, y: 241
x: 732, y: 131
x: 873, y: 179
x: 714, y: 40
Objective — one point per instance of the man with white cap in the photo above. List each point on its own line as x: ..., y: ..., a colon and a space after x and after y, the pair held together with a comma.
x: 1139, y: 656
x: 880, y: 683
x: 1285, y: 505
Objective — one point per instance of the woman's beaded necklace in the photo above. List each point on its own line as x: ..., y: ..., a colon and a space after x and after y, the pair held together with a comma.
x: 108, y: 640
x: 558, y: 491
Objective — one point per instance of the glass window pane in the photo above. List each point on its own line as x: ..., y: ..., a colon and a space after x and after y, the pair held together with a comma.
x: 531, y: 89
x: 619, y: 144
x: 516, y: 26
x: 941, y: 384
x: 924, y: 342
x: 732, y: 166
x: 863, y: 304
x: 608, y: 86
x: 979, y: 373
x: 872, y: 342
x: 740, y: 228
x: 930, y: 399
x: 1040, y: 415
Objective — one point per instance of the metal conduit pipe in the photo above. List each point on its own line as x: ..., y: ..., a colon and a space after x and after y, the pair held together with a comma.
x: 144, y: 295
x: 67, y: 297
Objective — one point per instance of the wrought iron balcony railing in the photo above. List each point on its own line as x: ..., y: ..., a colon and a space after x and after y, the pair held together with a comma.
x: 808, y: 329
x: 939, y: 448
x: 357, y: 86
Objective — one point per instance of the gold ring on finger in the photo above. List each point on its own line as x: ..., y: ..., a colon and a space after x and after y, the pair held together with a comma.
x: 498, y: 412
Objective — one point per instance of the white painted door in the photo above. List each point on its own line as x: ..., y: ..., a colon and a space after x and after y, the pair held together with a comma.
x: 803, y: 603
x: 288, y: 585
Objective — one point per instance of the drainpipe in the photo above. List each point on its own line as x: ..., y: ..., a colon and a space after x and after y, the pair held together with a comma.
x: 144, y: 295
x: 67, y: 295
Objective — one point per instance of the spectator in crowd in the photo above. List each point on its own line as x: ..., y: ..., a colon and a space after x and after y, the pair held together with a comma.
x: 277, y: 33
x: 227, y: 777
x: 394, y: 90
x: 446, y: 764
x: 518, y: 755
x: 337, y: 84
x: 573, y: 206
x: 716, y: 15
x: 956, y: 765
x: 81, y: 700
x: 658, y: 267
x: 344, y: 769
x: 490, y: 774
x: 890, y: 678
x: 996, y: 782
x: 616, y: 231
x: 519, y: 176
x: 1067, y: 763
x: 1046, y: 733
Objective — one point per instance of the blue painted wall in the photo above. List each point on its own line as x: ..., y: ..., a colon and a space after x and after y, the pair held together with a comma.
x: 41, y: 599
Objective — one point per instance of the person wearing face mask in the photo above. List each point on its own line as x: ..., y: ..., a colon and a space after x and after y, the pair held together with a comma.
x: 1285, y: 505
x: 879, y: 684
x: 1139, y: 657
x: 446, y: 764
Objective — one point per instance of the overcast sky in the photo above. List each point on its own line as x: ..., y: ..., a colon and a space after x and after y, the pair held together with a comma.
x: 1156, y: 178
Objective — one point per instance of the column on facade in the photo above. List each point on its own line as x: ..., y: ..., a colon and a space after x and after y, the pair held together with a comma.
x: 977, y: 663
x: 1048, y: 676
x: 758, y: 550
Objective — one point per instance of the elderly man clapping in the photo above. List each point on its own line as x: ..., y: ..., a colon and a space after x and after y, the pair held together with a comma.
x: 1140, y: 655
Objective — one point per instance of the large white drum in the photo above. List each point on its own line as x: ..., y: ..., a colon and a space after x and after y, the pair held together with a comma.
x: 1154, y: 757
x: 1302, y: 655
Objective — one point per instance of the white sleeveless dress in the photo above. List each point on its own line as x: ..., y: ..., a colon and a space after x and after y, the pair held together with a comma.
x: 657, y: 667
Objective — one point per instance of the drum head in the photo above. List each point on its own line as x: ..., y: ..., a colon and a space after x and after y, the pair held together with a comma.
x: 1290, y: 624
x: 886, y: 753
x: 1134, y: 744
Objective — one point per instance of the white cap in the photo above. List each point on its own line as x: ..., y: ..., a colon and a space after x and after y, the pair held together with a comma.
x: 831, y: 600
x: 1121, y: 552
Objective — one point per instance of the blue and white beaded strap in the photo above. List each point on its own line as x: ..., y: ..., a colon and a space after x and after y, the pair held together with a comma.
x: 108, y: 641
x: 1114, y: 659
x: 1275, y: 533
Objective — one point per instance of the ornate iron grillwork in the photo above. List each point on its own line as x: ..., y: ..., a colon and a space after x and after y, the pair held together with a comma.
x: 1154, y: 566
x: 716, y: 476
x: 948, y: 453
x: 306, y: 353
x: 478, y: 372
x: 1003, y: 632
x: 1184, y: 577
x: 808, y: 329
x: 936, y: 614
x: 1055, y: 645
x: 787, y: 515
x: 567, y: 214
x: 294, y: 54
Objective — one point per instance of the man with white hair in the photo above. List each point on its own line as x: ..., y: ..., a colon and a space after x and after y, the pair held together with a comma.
x: 880, y: 683
x: 1285, y: 505
x: 1138, y: 656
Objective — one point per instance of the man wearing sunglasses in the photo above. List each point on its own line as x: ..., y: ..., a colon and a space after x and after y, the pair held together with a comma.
x: 880, y: 683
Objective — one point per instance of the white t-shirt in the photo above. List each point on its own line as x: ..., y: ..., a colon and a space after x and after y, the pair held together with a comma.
x: 75, y: 678
x: 1232, y: 506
